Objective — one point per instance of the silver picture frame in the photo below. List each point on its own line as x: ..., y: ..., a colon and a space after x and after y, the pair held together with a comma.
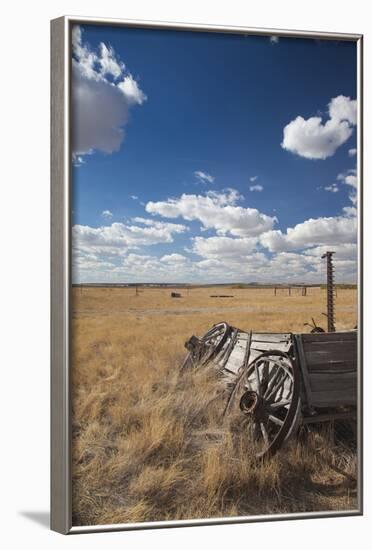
x: 61, y: 281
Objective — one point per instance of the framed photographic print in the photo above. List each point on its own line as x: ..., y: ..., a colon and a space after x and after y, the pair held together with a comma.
x: 206, y: 274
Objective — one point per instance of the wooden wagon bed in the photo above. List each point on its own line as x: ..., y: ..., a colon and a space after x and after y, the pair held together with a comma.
x: 276, y: 378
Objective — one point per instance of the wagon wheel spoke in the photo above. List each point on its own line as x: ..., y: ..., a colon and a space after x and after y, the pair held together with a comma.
x: 279, y: 404
x: 279, y: 385
x: 257, y: 375
x: 276, y: 420
x: 265, y: 375
x: 280, y: 392
x: 265, y: 435
x: 248, y: 384
x: 255, y: 431
x: 276, y: 373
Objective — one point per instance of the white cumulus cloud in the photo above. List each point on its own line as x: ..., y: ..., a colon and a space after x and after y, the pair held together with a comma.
x: 257, y: 187
x: 174, y: 258
x: 347, y: 251
x: 215, y: 210
x: 117, y: 238
x: 349, y: 178
x: 103, y: 91
x: 223, y: 247
x: 313, y: 139
x: 320, y: 231
x: 350, y: 211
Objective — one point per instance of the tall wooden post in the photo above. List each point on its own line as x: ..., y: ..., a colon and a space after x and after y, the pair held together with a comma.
x: 330, y: 291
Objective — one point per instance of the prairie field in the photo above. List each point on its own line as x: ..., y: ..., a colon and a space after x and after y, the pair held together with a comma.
x: 147, y: 443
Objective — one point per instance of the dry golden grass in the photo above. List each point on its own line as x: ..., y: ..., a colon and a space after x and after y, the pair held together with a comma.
x: 146, y: 444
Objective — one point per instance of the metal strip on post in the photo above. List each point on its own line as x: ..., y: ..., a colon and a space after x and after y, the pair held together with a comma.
x: 330, y: 291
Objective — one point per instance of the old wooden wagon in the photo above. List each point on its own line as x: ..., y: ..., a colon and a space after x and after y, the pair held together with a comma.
x: 280, y: 380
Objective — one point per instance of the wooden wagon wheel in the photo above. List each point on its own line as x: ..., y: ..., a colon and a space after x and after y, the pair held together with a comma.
x: 269, y: 395
x: 201, y: 351
x: 214, y: 340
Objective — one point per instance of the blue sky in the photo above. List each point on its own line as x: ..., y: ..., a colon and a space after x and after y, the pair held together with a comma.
x: 205, y: 157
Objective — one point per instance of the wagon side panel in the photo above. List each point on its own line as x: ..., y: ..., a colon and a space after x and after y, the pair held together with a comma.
x: 329, y: 367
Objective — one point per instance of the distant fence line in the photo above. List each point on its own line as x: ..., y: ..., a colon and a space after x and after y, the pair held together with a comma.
x: 288, y: 288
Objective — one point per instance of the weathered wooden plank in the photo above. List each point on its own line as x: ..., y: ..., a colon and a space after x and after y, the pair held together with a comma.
x: 232, y: 367
x: 335, y: 398
x: 242, y: 344
x: 240, y: 350
x: 329, y: 336
x: 243, y: 336
x: 270, y: 337
x: 334, y: 367
x: 333, y: 382
x: 336, y: 356
x: 253, y: 354
x: 328, y: 417
x: 238, y: 354
x: 331, y: 346
x: 268, y: 346
x: 239, y: 347
x: 301, y: 361
x: 235, y: 361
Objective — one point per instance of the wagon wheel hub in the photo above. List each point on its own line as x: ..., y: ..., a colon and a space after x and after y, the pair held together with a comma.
x: 254, y: 405
x: 250, y: 403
